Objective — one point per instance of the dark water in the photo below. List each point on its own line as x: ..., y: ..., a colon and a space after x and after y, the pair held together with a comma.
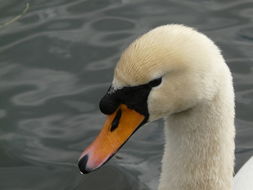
x: 57, y: 60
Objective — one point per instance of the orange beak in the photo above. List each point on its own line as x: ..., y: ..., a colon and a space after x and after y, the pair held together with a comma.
x: 117, y: 129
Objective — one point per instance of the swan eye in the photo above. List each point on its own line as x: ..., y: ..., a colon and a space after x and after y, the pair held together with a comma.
x: 155, y: 82
x: 135, y: 97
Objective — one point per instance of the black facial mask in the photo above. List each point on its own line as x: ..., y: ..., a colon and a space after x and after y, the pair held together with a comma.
x: 134, y: 97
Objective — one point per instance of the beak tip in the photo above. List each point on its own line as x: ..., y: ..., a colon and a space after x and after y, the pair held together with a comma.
x: 82, y: 164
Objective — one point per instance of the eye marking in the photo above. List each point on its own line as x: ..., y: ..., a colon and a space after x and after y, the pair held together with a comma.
x: 135, y: 97
x: 155, y: 82
x: 115, y: 122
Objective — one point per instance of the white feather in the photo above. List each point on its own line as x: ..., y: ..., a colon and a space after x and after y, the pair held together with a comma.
x: 196, y: 100
x: 244, y: 178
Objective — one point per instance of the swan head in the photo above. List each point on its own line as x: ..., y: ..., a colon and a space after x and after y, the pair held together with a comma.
x: 168, y: 70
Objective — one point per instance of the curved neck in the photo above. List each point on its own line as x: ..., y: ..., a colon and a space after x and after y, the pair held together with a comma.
x: 199, y: 149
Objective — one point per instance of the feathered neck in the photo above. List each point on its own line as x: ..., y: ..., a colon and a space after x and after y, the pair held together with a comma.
x: 199, y: 149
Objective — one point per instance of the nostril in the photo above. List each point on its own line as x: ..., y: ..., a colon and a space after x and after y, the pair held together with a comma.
x: 115, y: 122
x: 82, y: 164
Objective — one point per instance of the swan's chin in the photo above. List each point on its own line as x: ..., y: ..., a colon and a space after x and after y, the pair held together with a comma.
x: 117, y: 129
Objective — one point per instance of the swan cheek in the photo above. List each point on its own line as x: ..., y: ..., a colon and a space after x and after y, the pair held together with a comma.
x: 117, y: 129
x: 160, y: 104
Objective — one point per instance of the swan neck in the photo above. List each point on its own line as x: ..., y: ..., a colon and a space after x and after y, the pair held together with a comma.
x: 199, y: 148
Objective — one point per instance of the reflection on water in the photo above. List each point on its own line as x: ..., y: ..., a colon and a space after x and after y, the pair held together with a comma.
x: 57, y: 61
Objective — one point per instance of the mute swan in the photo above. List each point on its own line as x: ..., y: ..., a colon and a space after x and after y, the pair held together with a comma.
x: 176, y: 73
